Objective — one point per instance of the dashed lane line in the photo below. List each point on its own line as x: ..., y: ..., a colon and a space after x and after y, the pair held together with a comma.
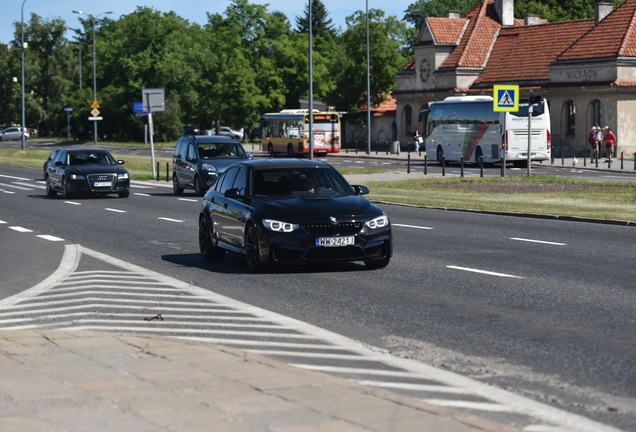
x: 486, y: 272
x: 538, y: 241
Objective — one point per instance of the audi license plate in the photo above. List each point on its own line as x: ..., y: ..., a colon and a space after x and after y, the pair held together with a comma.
x: 335, y: 241
x: 102, y: 184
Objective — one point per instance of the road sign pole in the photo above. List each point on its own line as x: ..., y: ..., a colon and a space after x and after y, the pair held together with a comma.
x: 152, y: 145
x: 529, y: 136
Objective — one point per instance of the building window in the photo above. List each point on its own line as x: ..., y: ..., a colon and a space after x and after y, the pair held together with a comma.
x: 570, y: 118
x: 596, y: 113
x: 408, y: 118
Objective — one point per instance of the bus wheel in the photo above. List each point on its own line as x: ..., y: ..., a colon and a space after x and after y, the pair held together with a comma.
x: 270, y: 150
x: 440, y: 154
x: 290, y: 150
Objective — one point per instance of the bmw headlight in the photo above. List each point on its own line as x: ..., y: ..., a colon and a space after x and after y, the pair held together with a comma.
x: 278, y: 226
x: 122, y: 176
x: 208, y: 167
x: 78, y: 177
x: 379, y: 222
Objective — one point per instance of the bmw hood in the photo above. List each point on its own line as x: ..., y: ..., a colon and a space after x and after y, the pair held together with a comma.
x: 319, y: 208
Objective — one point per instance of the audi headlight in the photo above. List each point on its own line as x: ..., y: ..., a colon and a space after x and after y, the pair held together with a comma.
x: 278, y: 226
x: 379, y: 222
x: 78, y: 177
x: 208, y: 167
x: 122, y: 176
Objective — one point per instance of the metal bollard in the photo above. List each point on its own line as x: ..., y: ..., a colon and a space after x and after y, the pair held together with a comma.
x: 425, y: 165
x: 167, y: 171
x: 461, y: 161
x: 481, y: 166
x: 157, y: 171
x: 503, y: 166
x: 443, y: 166
x: 562, y: 158
x: 408, y: 163
x: 621, y: 160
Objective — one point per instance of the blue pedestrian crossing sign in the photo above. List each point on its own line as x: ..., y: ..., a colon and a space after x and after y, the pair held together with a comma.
x: 505, y: 98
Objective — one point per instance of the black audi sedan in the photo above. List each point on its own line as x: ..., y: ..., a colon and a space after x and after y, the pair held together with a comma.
x: 292, y: 211
x: 86, y: 170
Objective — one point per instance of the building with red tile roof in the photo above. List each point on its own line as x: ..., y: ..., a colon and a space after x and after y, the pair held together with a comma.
x: 586, y: 69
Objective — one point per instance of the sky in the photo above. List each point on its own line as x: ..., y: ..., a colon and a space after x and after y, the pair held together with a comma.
x: 192, y: 10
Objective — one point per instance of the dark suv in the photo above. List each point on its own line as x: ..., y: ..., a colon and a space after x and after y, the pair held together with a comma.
x: 200, y: 158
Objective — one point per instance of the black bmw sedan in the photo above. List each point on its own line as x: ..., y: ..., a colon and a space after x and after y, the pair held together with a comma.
x: 86, y: 170
x: 292, y: 211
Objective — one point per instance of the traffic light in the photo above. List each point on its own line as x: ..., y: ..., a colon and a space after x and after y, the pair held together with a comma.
x: 534, y: 98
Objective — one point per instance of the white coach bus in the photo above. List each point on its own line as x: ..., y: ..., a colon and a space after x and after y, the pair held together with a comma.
x: 468, y: 126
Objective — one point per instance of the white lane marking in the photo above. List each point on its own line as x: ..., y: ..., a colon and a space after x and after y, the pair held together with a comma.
x: 188, y: 199
x: 29, y: 185
x: 538, y: 241
x: 2, y: 222
x: 170, y: 220
x: 515, y: 403
x: 482, y: 406
x: 485, y: 272
x: 20, y: 229
x: 72, y: 203
x: 412, y: 226
x: 114, y: 210
x: 141, y: 186
x: 142, y: 194
x: 18, y: 187
x: 14, y: 178
x: 50, y: 238
x: 150, y: 185
x: 8, y: 192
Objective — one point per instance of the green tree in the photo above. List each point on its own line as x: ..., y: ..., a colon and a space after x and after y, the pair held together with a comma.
x: 387, y: 38
x: 320, y: 23
x: 47, y: 72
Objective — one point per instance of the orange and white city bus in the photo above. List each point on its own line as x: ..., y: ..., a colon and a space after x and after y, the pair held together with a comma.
x: 287, y: 132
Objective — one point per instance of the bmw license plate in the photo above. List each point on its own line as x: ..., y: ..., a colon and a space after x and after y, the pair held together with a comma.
x: 335, y: 241
x: 102, y: 184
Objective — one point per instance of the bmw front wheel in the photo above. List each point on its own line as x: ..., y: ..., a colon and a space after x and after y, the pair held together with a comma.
x: 253, y: 250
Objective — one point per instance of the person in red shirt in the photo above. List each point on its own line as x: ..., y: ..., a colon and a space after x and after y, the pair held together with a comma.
x: 610, y: 143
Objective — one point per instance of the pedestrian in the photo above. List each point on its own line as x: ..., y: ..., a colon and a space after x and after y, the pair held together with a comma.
x: 417, y: 140
x: 593, y: 144
x: 610, y: 143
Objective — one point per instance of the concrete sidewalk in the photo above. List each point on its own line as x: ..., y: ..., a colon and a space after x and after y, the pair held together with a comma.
x: 86, y: 381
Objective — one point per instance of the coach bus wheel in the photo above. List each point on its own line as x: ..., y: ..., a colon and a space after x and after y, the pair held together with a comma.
x: 440, y: 154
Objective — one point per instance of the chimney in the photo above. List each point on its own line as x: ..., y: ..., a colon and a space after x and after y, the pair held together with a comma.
x: 506, y: 11
x: 601, y: 10
x: 532, y: 20
x: 453, y: 14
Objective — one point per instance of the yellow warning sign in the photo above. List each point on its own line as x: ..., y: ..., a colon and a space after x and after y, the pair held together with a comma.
x: 505, y: 98
x: 95, y: 104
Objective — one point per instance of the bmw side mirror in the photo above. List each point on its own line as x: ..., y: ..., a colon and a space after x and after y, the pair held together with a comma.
x: 121, y: 162
x: 360, y: 190
x: 250, y: 156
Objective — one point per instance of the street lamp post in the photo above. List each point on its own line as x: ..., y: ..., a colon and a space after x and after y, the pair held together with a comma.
x: 93, y: 18
x: 23, y: 138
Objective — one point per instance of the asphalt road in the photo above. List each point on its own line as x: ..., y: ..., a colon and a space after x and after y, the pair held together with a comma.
x: 539, y: 307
